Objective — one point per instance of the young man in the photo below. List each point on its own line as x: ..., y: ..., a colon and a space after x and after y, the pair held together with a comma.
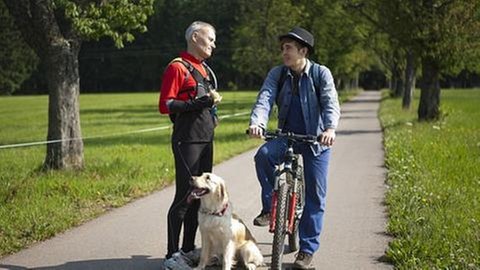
x: 188, y: 95
x: 304, y: 107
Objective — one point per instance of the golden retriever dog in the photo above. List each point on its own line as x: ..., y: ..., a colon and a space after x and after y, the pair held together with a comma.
x: 223, y: 233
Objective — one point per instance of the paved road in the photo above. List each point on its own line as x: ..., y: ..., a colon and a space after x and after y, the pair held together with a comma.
x: 134, y: 236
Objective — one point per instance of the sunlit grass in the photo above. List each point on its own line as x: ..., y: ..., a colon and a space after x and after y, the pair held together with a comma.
x: 434, y: 178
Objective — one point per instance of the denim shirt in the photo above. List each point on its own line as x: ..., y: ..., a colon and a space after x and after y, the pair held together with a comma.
x: 319, y: 113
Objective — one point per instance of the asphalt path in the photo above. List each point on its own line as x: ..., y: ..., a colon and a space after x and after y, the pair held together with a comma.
x: 134, y: 236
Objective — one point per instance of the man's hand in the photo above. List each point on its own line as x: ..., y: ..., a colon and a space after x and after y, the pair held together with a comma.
x: 328, y: 137
x: 255, y: 131
x: 215, y: 96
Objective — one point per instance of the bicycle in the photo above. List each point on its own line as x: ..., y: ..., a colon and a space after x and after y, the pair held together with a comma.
x: 288, y: 198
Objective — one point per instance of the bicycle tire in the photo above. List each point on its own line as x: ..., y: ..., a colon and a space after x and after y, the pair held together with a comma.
x: 280, y: 230
x: 293, y: 238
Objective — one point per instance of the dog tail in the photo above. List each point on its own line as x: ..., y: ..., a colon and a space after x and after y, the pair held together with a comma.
x: 250, y: 254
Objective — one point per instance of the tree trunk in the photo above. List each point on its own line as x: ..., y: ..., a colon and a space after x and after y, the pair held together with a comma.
x: 398, y: 90
x: 409, y: 80
x: 339, y: 83
x: 393, y: 82
x: 54, y: 40
x: 429, y: 107
x: 63, y: 111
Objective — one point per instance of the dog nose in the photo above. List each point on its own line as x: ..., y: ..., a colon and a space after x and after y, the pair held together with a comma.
x: 192, y: 180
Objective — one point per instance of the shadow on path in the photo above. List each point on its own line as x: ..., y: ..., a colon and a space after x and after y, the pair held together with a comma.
x: 140, y: 262
x: 356, y: 132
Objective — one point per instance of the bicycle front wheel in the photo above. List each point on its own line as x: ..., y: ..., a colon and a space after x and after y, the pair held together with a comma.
x: 293, y: 243
x: 280, y: 227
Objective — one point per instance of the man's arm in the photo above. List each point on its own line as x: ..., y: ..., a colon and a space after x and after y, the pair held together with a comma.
x: 179, y: 106
x: 329, y: 100
x: 265, y: 100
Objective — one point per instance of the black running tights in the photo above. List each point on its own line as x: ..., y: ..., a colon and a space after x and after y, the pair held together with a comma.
x: 191, y: 159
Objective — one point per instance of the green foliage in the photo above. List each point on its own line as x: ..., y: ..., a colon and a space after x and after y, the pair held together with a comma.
x: 434, y: 181
x: 138, y: 67
x: 446, y: 31
x: 17, y: 60
x: 116, y: 19
x: 256, y: 38
x: 339, y: 41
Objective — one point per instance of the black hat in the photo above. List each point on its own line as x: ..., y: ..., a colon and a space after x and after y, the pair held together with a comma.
x: 301, y: 35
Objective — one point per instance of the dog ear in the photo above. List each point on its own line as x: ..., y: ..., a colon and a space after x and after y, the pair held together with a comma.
x: 223, y: 192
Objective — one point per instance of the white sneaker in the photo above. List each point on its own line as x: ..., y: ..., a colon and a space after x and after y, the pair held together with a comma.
x: 183, y: 260
x: 192, y: 258
x: 176, y: 262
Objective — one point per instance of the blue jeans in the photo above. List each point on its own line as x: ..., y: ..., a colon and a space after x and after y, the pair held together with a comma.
x: 315, y: 169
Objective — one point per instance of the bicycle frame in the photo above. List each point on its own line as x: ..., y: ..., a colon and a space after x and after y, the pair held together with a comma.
x: 290, y: 169
x: 285, y: 196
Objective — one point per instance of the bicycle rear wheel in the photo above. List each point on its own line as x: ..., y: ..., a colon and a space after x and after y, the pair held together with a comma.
x: 280, y: 229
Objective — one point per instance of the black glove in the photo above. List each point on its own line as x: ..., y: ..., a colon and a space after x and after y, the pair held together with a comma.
x: 179, y: 106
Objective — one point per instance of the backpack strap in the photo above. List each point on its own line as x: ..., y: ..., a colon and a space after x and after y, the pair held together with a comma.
x: 211, y: 76
x: 204, y: 84
x: 281, y: 81
x: 191, y: 69
x: 315, y: 72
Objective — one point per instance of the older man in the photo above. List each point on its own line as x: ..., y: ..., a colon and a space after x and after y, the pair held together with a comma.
x: 307, y: 104
x: 188, y: 95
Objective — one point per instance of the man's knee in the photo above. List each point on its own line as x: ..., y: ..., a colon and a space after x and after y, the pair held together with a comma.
x: 262, y: 155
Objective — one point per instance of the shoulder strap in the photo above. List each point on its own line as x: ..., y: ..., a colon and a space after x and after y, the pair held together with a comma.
x: 197, y: 76
x: 315, y: 72
x: 191, y: 69
x: 211, y: 76
x: 281, y: 81
x: 282, y: 78
x: 185, y: 63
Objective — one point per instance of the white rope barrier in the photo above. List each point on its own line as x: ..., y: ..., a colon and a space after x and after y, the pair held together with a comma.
x: 106, y: 135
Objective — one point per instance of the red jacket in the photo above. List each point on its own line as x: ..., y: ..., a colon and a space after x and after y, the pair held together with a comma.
x: 173, y: 81
x: 193, y: 121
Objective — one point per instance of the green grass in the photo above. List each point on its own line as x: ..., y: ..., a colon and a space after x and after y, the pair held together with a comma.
x: 434, y: 180
x: 119, y: 165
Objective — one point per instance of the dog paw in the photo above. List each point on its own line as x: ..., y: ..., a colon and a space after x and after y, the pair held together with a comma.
x: 215, y: 261
x: 251, y: 266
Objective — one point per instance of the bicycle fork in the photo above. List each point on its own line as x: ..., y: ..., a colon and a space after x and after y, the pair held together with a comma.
x: 291, y: 212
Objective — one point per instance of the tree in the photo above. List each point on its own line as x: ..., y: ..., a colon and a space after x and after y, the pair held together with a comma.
x: 256, y: 37
x: 17, y: 60
x: 55, y: 29
x: 448, y: 40
x: 389, y: 40
x: 340, y: 41
x: 443, y: 34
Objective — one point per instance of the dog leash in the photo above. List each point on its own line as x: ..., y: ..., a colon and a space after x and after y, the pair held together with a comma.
x: 177, y: 145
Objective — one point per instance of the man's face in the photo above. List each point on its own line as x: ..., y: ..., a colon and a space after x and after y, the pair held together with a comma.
x: 204, y: 42
x: 291, y: 54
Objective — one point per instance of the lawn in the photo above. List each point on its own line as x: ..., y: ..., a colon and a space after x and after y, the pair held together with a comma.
x: 434, y: 179
x: 127, y: 156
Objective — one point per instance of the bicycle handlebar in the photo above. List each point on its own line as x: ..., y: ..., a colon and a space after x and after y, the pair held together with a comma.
x: 268, y: 135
